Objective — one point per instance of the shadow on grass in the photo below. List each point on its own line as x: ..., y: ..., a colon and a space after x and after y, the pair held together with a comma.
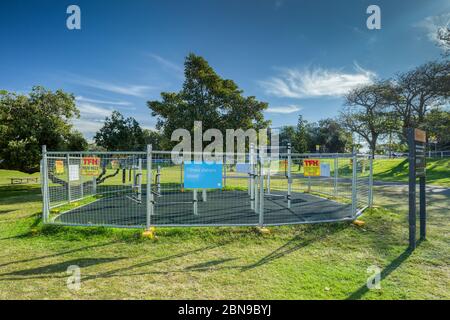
x: 58, y: 267
x: 119, y: 271
x: 55, y: 254
x: 10, y: 194
x: 399, y: 170
x: 6, y: 211
x: 204, y: 266
x: 318, y: 233
x: 397, y: 262
x: 298, y: 242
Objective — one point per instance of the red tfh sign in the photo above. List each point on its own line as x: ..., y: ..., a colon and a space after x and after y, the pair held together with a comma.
x: 311, y: 163
x: 91, y: 161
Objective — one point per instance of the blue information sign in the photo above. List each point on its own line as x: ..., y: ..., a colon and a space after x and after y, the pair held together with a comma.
x: 203, y: 175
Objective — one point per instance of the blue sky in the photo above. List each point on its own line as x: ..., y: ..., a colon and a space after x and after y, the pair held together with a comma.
x: 300, y: 56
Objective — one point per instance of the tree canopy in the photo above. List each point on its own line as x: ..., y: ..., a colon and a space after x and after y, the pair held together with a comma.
x: 437, y: 126
x: 421, y: 89
x: 327, y: 133
x: 120, y: 134
x: 29, y: 121
x: 368, y: 112
x: 206, y: 97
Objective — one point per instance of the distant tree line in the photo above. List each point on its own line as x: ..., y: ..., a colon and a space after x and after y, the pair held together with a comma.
x: 326, y: 135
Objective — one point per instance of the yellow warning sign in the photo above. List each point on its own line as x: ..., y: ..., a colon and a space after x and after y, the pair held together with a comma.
x: 59, y: 167
x: 311, y: 168
x: 90, y: 166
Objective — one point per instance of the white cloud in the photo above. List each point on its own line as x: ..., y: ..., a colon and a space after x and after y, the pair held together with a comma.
x: 316, y: 82
x: 433, y: 25
x: 166, y: 63
x: 115, y: 103
x: 285, y: 109
x: 87, y: 127
x: 129, y: 90
x: 89, y: 110
x: 91, y: 118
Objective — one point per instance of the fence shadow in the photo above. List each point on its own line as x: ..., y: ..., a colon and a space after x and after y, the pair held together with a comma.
x: 295, y: 244
x: 205, y: 266
x: 11, y: 194
x: 61, y: 266
x: 55, y: 254
x: 399, y: 169
x: 397, y: 262
x: 120, y: 271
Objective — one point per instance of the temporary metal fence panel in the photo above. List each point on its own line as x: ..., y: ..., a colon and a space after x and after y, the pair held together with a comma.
x: 363, y: 184
x: 292, y: 197
x: 142, y: 189
x: 110, y: 194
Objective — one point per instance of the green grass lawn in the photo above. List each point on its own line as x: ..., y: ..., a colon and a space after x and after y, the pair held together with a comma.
x: 438, y: 171
x: 322, y: 261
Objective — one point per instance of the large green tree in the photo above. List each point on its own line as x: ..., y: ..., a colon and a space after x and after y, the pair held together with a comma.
x: 368, y: 112
x: 330, y: 135
x: 421, y: 89
x: 154, y: 138
x: 75, y: 141
x: 287, y: 135
x: 437, y: 126
x: 29, y: 121
x: 300, y: 142
x: 120, y: 134
x: 206, y: 97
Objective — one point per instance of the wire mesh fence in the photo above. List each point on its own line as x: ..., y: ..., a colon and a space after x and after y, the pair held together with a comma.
x: 153, y: 188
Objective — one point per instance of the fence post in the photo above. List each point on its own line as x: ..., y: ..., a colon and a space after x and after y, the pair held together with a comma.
x: 252, y: 176
x: 94, y: 185
x: 158, y: 181
x: 182, y: 175
x: 44, y: 184
x: 336, y: 170
x: 261, y: 190
x: 81, y: 179
x: 69, y: 193
x: 149, y: 197
x: 354, y: 197
x: 370, y: 181
x: 289, y: 191
x: 139, y: 180
x: 195, y: 201
x: 224, y: 173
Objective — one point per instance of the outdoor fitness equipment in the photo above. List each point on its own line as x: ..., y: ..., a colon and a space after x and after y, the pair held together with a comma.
x: 160, y: 199
x: 157, y: 191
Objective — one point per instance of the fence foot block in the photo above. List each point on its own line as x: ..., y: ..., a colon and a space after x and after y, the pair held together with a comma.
x: 263, y: 230
x: 358, y: 223
x: 150, y: 233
